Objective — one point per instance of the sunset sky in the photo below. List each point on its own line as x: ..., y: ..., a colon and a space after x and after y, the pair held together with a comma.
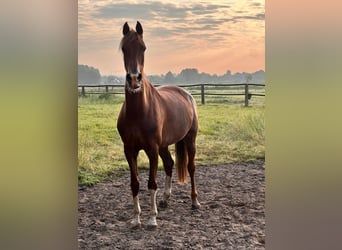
x: 212, y: 36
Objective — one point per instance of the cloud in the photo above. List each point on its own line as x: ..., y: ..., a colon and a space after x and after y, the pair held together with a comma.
x: 204, y: 9
x: 260, y: 16
x: 165, y: 19
x: 163, y: 32
x: 158, y: 10
x: 185, y: 23
x: 255, y: 5
x: 211, y: 22
x: 82, y: 26
x: 120, y: 10
x: 143, y: 11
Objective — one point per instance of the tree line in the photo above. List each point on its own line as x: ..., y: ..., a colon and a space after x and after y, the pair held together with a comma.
x: 91, y: 75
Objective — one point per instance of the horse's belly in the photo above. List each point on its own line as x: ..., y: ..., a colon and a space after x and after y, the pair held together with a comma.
x: 173, y: 134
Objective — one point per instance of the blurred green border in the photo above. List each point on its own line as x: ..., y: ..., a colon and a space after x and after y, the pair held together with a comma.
x: 303, y: 125
x: 38, y: 128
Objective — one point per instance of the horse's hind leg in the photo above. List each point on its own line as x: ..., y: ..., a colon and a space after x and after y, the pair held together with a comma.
x: 168, y: 164
x: 191, y: 148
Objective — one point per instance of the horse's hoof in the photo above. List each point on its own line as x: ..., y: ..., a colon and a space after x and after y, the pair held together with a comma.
x: 151, y: 227
x: 195, y: 205
x: 134, y: 224
x: 152, y: 223
x: 163, y: 204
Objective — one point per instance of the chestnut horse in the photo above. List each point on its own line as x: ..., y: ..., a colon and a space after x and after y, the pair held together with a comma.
x: 151, y: 119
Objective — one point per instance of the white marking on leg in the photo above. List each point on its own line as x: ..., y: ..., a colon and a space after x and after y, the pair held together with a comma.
x: 137, y: 211
x: 168, y: 184
x: 154, y: 212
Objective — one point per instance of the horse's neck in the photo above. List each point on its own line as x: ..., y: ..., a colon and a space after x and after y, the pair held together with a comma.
x: 139, y: 103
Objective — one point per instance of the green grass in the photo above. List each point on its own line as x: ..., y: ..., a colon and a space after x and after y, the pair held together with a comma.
x: 227, y: 133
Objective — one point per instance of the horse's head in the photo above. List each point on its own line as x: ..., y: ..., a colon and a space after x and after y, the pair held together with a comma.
x: 133, y: 48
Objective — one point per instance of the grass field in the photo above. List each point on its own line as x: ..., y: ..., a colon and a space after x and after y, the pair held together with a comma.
x: 227, y: 133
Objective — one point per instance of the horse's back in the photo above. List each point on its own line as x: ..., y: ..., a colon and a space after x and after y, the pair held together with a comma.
x: 175, y: 93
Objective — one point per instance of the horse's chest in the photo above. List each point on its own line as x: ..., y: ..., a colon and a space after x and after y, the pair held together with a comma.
x: 139, y: 133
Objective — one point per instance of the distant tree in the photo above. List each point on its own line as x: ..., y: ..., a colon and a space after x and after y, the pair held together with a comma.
x: 169, y: 78
x: 110, y: 80
x: 189, y: 76
x: 215, y: 78
x: 113, y: 80
x: 156, y: 79
x: 259, y: 76
x: 88, y: 75
x: 205, y: 78
x: 248, y: 77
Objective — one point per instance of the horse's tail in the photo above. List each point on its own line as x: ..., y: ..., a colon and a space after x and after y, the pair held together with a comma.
x: 181, y: 162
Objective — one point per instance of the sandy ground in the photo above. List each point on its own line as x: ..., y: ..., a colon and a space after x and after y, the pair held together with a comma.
x: 232, y: 213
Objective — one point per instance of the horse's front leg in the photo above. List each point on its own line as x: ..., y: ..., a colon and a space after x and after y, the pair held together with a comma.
x: 131, y: 156
x: 152, y: 154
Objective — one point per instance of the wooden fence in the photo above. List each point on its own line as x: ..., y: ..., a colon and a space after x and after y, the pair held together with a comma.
x: 235, y: 89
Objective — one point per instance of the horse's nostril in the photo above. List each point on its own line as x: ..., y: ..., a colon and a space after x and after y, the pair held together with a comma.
x: 128, y: 78
x: 139, y: 77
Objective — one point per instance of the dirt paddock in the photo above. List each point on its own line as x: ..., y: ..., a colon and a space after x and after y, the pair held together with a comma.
x: 232, y: 213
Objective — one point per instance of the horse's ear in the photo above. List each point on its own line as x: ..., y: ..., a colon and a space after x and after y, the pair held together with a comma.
x: 125, y: 29
x: 139, y: 28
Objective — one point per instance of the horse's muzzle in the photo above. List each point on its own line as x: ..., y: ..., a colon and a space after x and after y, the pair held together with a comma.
x: 133, y: 82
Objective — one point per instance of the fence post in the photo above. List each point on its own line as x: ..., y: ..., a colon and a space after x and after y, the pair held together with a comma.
x: 106, y: 88
x: 246, y: 94
x: 202, y: 94
x: 83, y: 91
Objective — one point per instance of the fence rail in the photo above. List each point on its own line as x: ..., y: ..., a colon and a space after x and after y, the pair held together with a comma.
x: 203, y: 90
